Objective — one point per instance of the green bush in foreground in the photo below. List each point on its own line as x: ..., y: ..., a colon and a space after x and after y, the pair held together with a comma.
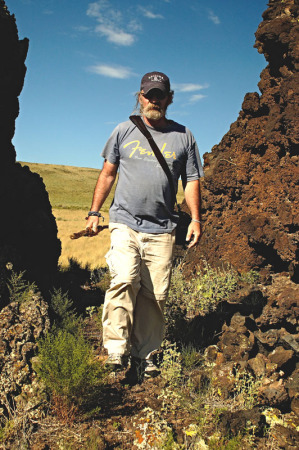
x: 66, y: 363
x: 67, y: 366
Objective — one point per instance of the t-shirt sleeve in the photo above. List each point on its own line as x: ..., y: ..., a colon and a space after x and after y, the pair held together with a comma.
x: 194, y: 168
x: 111, y: 150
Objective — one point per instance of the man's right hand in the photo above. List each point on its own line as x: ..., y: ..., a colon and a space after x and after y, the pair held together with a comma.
x: 92, y: 222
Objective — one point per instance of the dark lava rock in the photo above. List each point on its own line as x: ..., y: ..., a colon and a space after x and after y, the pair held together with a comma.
x: 234, y: 422
x: 282, y: 309
x: 281, y: 357
x: 250, y: 192
x: 285, y: 438
x: 28, y: 231
x: 274, y: 394
x: 292, y: 383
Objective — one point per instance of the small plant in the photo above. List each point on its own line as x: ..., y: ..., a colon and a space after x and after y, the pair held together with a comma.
x: 20, y: 290
x: 171, y: 367
x: 65, y: 316
x: 214, y: 285
x: 202, y: 294
x: 67, y: 367
x: 191, y: 358
x: 171, y: 372
x: 100, y: 277
x: 246, y: 389
x: 91, y: 310
x: 221, y: 443
x: 61, y: 304
x: 95, y: 313
x: 16, y: 426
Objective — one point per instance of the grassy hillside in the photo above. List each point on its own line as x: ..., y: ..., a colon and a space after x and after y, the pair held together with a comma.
x: 70, y: 191
x: 69, y: 187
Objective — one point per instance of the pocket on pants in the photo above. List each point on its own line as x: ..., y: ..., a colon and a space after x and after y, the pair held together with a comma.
x: 123, y: 257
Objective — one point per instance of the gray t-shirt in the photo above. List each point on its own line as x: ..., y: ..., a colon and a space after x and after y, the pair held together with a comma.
x: 142, y: 197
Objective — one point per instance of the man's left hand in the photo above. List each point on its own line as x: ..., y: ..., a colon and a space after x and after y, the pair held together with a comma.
x: 193, y: 234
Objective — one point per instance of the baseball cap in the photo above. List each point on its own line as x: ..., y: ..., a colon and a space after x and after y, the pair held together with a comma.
x: 155, y: 80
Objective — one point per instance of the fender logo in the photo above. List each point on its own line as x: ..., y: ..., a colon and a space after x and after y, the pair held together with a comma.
x: 144, y: 151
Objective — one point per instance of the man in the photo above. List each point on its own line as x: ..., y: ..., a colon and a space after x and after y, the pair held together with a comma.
x: 142, y: 224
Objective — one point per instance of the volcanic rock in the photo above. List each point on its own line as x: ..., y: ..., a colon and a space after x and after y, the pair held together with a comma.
x: 261, y: 366
x: 286, y: 438
x: 233, y: 422
x: 282, y: 309
x: 236, y: 341
x: 250, y: 192
x: 281, y: 357
x: 274, y: 393
x: 295, y: 406
x: 21, y: 325
x: 292, y: 383
x: 28, y: 231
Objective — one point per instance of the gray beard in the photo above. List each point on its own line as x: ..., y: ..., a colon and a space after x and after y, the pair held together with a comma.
x: 154, y: 113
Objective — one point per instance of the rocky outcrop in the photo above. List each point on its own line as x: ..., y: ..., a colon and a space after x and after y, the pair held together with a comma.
x: 255, y: 359
x: 28, y: 231
x: 21, y: 325
x: 250, y: 190
x: 250, y: 205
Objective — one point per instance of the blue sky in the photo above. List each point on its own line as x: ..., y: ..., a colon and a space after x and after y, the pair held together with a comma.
x: 86, y: 60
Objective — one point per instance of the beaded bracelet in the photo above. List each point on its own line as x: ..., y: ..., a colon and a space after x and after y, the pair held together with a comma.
x: 94, y: 213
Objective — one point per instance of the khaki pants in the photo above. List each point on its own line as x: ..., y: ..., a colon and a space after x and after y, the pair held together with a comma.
x: 140, y: 266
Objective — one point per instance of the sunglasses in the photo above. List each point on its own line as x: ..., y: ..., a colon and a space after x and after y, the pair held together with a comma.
x: 159, y: 95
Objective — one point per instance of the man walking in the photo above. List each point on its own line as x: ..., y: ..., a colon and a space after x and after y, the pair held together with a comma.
x: 142, y: 224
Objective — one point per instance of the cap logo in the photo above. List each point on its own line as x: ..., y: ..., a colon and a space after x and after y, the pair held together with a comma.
x: 158, y: 78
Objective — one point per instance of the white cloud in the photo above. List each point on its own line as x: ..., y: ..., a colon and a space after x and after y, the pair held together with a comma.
x: 196, y: 97
x: 134, y: 26
x: 149, y: 14
x: 94, y: 9
x: 188, y: 87
x: 215, y: 19
x: 115, y: 35
x: 111, y: 71
x: 111, y: 23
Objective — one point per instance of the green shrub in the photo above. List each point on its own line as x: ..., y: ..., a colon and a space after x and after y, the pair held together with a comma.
x: 65, y: 315
x: 20, y: 290
x: 191, y: 357
x: 171, y: 367
x: 213, y: 285
x: 61, y: 304
x: 203, y: 293
x: 67, y: 366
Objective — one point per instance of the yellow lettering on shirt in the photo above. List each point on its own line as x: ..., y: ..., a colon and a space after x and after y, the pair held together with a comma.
x: 167, y: 154
x: 144, y: 151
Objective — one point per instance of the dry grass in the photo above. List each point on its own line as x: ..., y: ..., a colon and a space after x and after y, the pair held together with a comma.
x: 70, y: 192
x: 85, y: 250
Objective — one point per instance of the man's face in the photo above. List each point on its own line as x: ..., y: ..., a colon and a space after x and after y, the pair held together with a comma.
x: 154, y: 104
